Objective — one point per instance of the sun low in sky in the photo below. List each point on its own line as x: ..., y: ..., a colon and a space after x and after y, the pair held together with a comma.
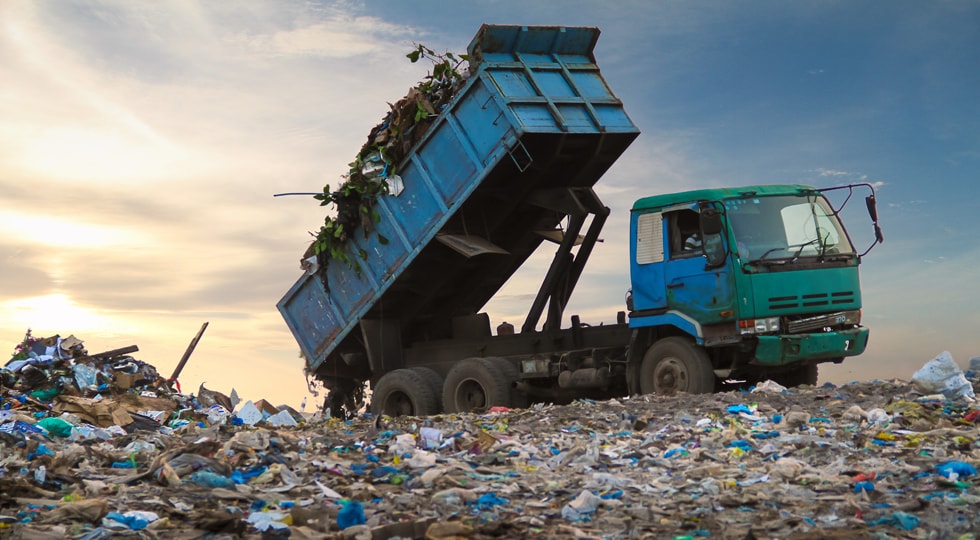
x: 141, y: 144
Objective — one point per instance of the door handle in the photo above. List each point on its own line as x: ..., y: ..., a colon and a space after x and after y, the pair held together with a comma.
x: 675, y: 285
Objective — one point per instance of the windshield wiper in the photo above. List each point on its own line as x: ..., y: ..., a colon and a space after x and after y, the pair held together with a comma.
x: 782, y: 260
x: 796, y: 256
x: 762, y: 259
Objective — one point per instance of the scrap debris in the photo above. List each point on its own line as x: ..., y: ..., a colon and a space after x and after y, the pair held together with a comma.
x: 99, y: 445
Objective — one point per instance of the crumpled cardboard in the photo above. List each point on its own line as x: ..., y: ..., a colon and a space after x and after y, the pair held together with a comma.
x: 101, y: 413
x: 108, y: 412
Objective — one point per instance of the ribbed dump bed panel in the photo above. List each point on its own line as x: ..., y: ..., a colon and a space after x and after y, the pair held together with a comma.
x: 536, y: 115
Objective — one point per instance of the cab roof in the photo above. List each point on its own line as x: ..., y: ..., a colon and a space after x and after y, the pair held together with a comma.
x: 656, y: 202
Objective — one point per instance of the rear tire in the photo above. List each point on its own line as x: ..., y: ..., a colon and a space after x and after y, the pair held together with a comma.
x: 676, y: 364
x: 434, y: 380
x: 403, y: 392
x: 475, y: 384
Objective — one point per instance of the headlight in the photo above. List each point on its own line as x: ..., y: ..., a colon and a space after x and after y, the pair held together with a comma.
x: 758, y: 326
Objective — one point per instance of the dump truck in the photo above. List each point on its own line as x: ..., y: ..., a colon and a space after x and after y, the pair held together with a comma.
x: 729, y: 285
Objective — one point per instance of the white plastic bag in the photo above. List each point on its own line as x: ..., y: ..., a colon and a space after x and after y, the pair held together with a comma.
x: 943, y: 375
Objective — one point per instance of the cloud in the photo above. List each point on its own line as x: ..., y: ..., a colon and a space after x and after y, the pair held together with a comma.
x: 140, y: 148
x: 346, y: 37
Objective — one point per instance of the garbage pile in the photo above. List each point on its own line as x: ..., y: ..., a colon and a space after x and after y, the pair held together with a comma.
x: 878, y: 459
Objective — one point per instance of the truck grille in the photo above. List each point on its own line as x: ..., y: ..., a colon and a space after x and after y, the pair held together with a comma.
x: 816, y: 301
x: 815, y: 323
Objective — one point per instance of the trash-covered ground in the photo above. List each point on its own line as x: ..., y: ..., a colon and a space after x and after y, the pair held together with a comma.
x: 101, y: 446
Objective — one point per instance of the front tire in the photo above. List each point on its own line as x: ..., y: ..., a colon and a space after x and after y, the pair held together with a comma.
x: 676, y: 364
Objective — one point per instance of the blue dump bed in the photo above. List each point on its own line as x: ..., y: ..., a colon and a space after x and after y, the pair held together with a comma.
x: 480, y: 188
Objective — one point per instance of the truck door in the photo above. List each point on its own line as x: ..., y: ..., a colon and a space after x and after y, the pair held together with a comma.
x: 647, y: 263
x: 691, y: 289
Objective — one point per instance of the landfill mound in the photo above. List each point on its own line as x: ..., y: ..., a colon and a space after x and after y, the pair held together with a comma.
x: 879, y: 459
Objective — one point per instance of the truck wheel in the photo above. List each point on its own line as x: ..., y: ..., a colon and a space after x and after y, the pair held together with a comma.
x: 403, y: 392
x: 676, y: 364
x: 806, y: 374
x: 475, y: 384
x: 434, y: 381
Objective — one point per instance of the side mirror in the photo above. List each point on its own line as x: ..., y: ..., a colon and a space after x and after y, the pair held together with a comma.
x: 711, y: 230
x: 710, y: 221
x: 872, y: 203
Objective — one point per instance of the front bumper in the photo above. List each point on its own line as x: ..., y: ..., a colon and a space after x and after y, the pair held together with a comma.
x: 787, y: 349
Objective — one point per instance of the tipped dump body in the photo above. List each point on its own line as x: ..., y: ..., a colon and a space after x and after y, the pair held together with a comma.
x: 534, y: 120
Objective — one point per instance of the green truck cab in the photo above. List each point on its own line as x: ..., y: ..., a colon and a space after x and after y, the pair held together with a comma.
x: 742, y: 284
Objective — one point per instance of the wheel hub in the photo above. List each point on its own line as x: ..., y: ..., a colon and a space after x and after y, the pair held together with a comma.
x: 471, y: 394
x: 399, y: 404
x: 670, y: 376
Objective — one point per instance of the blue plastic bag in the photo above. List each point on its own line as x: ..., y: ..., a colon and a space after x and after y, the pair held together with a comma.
x: 351, y: 514
x: 960, y: 468
x: 210, y: 479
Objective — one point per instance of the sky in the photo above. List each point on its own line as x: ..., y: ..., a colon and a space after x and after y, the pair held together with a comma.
x: 141, y: 144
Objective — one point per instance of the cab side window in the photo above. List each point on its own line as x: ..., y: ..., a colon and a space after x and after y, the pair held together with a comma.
x: 685, y: 233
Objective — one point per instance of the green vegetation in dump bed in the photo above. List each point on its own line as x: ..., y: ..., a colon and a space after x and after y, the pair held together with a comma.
x: 373, y: 172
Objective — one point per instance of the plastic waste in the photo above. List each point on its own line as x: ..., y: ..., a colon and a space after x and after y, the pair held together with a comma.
x: 85, y: 375
x: 249, y: 414
x: 866, y: 486
x: 581, y: 508
x: 282, y: 418
x: 879, y: 417
x: 736, y: 409
x: 45, y: 395
x: 134, y: 520
x: 956, y: 469
x: 403, y: 446
x: 264, y: 521
x: 902, y: 520
x: 430, y: 438
x: 56, y: 427
x: 41, y: 474
x: 42, y: 450
x: 210, y: 479
x: 942, y: 375
x: 454, y: 496
x: 350, y: 515
x: 489, y: 500
x: 421, y: 460
x: 769, y: 386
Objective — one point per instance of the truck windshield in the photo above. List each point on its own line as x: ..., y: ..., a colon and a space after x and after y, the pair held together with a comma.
x: 786, y: 228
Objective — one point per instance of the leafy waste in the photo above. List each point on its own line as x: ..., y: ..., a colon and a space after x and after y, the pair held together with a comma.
x: 374, y: 171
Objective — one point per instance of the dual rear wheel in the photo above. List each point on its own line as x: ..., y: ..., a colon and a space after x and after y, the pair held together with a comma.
x: 408, y: 392
x: 473, y: 384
